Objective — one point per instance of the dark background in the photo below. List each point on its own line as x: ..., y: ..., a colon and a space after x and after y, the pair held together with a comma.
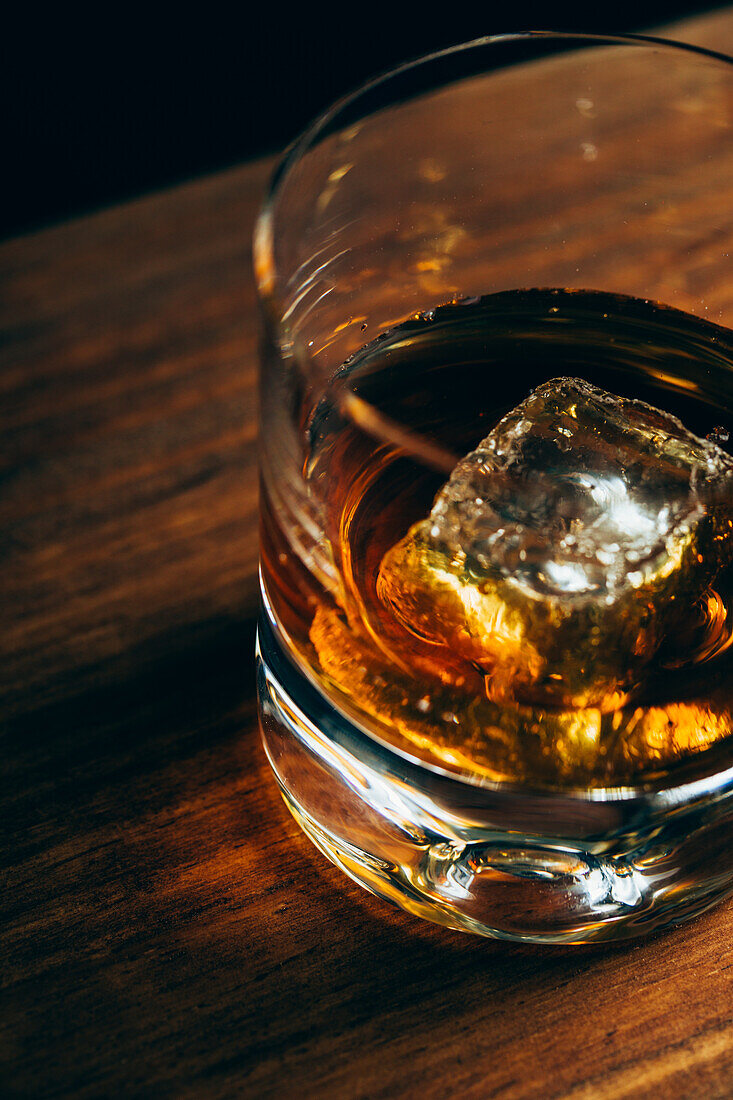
x: 101, y: 111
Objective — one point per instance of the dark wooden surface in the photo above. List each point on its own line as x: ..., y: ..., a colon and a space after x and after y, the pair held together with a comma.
x: 166, y: 929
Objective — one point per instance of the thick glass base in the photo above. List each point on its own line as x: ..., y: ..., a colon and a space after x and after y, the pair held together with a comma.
x: 534, y: 866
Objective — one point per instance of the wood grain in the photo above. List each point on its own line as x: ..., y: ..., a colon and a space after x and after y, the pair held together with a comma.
x: 167, y: 931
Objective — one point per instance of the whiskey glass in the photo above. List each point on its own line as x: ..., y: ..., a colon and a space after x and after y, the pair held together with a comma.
x: 567, y: 193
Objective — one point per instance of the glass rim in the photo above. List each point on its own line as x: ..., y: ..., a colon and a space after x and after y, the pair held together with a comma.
x: 262, y: 250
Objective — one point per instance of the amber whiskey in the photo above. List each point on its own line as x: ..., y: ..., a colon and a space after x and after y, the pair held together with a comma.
x: 407, y: 629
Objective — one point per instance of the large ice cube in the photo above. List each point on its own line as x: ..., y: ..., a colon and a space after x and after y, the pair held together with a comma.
x: 565, y: 548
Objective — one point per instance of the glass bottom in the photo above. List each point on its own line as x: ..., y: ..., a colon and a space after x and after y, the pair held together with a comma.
x: 533, y: 866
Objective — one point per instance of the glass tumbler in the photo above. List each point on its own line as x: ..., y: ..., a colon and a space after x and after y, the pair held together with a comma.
x: 468, y: 228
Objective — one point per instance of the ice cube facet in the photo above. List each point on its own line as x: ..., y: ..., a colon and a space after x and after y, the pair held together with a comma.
x: 565, y: 548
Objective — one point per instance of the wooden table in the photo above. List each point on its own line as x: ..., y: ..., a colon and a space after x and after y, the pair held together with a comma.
x: 167, y: 930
